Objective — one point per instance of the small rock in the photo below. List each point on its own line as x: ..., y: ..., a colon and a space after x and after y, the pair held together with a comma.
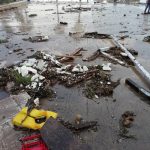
x: 114, y: 100
x: 63, y: 23
x: 96, y: 97
x: 10, y: 52
x: 36, y: 102
x: 78, y: 119
x: 17, y: 50
x: 9, y: 86
x: 85, y: 68
x: 32, y: 15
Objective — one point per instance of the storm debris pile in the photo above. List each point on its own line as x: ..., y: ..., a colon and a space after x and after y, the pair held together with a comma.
x: 100, y: 85
x: 113, y: 54
x: 96, y: 35
x: 126, y: 122
x: 37, y: 74
x: 27, y: 75
x: 117, y: 53
x: 81, y: 126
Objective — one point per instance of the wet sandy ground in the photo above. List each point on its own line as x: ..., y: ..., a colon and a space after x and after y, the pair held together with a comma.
x: 69, y: 102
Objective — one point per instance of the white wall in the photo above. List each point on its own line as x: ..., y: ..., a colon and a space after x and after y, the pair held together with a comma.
x: 142, y: 1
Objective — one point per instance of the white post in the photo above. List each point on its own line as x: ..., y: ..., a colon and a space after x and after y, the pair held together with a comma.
x: 57, y: 10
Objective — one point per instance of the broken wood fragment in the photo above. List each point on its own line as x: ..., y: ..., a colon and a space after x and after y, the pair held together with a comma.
x: 83, y: 125
x: 63, y: 23
x: 93, y: 56
x: 77, y: 52
x: 66, y: 59
x: 70, y: 57
x: 112, y: 58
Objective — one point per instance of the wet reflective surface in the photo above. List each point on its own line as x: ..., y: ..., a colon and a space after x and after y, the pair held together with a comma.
x: 3, y: 94
x: 16, y: 25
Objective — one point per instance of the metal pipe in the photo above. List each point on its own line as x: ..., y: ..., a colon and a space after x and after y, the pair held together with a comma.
x: 138, y: 66
x: 137, y: 88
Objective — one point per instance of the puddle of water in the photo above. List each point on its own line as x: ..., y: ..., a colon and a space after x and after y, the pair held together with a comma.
x: 3, y: 94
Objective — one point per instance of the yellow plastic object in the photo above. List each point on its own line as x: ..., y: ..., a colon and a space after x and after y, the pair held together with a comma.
x: 22, y: 120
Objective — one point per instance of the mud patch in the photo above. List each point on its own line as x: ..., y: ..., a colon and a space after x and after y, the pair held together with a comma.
x: 126, y: 122
x: 100, y: 85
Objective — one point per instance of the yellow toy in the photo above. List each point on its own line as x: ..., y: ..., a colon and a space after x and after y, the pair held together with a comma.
x: 29, y: 121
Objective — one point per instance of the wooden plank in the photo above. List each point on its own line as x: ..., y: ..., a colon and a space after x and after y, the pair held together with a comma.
x: 112, y: 58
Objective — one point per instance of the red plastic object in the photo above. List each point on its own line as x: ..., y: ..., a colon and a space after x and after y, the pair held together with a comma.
x: 33, y: 142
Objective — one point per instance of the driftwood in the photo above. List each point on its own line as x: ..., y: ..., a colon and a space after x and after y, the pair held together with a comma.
x: 71, y: 81
x: 101, y: 51
x: 77, y: 52
x: 93, y: 56
x: 66, y: 59
x: 70, y: 57
x: 81, y: 126
x: 112, y: 58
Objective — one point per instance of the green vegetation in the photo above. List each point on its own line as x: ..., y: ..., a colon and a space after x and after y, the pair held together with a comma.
x: 19, y: 79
